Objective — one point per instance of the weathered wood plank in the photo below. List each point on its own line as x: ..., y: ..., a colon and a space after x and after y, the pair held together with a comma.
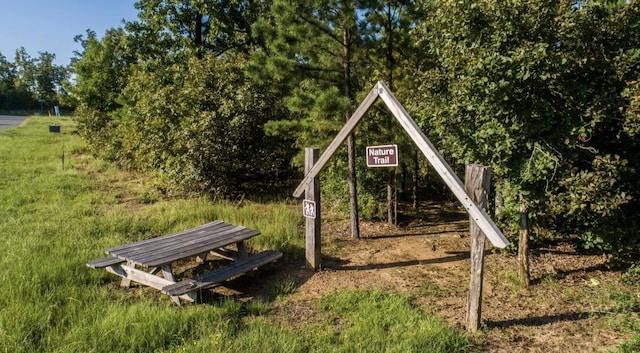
x: 226, y: 254
x: 104, y: 262
x: 169, y: 255
x: 210, y: 225
x: 477, y: 184
x: 178, y: 240
x: 167, y: 273
x: 133, y: 274
x: 222, y: 274
x: 313, y: 225
x: 166, y: 249
x: 169, y: 240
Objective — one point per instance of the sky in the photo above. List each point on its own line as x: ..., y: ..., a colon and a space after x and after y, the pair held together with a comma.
x: 51, y: 25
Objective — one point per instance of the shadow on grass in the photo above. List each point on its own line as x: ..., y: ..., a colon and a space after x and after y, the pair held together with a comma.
x: 342, y: 265
x: 263, y: 284
x: 543, y: 320
x: 452, y: 232
x: 259, y: 284
x: 561, y: 274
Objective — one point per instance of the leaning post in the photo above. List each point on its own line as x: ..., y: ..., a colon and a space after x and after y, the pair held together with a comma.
x: 477, y: 184
x: 312, y: 199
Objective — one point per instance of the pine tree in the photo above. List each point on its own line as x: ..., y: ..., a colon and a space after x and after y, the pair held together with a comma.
x: 313, y: 49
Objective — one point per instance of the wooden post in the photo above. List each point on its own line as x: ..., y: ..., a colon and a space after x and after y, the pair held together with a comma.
x: 312, y: 225
x: 523, y: 244
x: 477, y: 185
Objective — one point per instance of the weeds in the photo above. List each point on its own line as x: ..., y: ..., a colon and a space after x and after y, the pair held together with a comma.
x: 632, y: 346
x: 632, y: 276
x: 281, y: 287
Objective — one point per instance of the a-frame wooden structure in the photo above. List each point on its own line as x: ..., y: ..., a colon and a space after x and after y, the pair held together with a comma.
x: 380, y: 90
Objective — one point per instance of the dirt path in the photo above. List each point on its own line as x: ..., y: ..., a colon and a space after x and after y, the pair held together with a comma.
x: 566, y: 309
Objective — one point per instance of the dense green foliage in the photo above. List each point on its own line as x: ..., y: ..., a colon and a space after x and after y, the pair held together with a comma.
x: 212, y: 96
x: 28, y: 84
x: 540, y: 91
x: 101, y: 75
x: 57, y: 216
x: 180, y: 106
x: 199, y: 125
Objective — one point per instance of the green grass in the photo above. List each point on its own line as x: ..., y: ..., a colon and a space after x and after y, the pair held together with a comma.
x: 373, y: 321
x: 59, y: 212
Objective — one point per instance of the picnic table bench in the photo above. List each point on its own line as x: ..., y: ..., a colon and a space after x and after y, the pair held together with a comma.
x: 142, y: 261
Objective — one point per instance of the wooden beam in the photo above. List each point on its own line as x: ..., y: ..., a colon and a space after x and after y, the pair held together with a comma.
x: 440, y: 165
x: 131, y: 273
x: 313, y: 225
x: 347, y: 129
x: 477, y: 182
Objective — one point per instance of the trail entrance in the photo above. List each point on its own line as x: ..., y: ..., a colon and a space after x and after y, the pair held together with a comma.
x: 477, y: 178
x: 380, y: 90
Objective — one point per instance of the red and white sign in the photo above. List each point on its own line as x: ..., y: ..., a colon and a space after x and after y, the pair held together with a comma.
x: 382, y: 156
x: 309, y: 208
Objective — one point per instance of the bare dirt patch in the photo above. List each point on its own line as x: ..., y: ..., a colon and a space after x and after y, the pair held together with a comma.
x: 568, y: 307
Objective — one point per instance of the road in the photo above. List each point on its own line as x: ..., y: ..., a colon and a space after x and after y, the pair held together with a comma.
x: 7, y: 121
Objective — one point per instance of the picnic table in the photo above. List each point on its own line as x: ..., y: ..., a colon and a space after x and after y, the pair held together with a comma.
x: 145, y: 260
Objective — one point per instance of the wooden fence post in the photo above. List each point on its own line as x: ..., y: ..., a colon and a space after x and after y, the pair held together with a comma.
x: 312, y: 225
x: 477, y: 185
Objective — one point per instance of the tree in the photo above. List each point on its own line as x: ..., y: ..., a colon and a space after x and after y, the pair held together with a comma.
x: 391, y: 52
x: 102, y: 72
x: 197, y: 129
x: 313, y: 52
x: 25, y: 82
x: 8, y: 93
x: 48, y: 77
x: 535, y: 90
x: 166, y: 95
x: 215, y: 27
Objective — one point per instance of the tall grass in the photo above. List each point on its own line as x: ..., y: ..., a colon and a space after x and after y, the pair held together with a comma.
x: 57, y: 213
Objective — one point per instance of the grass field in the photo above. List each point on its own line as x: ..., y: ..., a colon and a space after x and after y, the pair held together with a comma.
x: 61, y: 208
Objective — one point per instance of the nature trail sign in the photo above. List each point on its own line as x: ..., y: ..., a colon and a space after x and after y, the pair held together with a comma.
x: 382, y: 156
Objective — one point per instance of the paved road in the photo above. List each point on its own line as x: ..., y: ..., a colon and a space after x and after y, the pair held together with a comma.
x: 7, y: 121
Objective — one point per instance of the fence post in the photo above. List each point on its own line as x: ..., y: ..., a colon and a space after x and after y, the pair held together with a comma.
x: 477, y: 184
x: 312, y: 225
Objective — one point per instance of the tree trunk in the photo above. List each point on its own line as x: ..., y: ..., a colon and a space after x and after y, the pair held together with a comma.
x: 390, y: 219
x: 395, y: 197
x: 523, y: 244
x: 351, y: 149
x: 353, y: 186
x: 414, y: 174
x: 498, y: 204
x: 392, y: 205
x: 197, y: 41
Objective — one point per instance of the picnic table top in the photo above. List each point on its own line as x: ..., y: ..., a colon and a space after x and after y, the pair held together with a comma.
x: 166, y: 249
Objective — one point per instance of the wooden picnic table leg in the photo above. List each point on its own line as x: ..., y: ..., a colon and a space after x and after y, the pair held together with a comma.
x: 126, y: 282
x: 242, y: 251
x: 168, y: 275
x: 202, y: 257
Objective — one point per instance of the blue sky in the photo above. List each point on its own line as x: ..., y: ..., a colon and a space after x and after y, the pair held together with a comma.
x: 50, y: 25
